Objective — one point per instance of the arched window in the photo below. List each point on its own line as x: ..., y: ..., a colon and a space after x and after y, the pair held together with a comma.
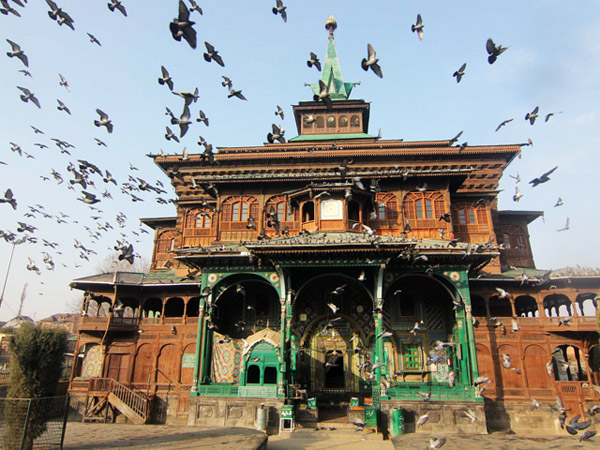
x: 386, y: 206
x: 320, y: 121
x: 270, y: 376
x: 331, y: 122
x: 198, y: 218
x: 237, y: 210
x: 343, y: 122
x: 280, y: 205
x: 308, y: 212
x: 165, y: 244
x: 253, y: 375
x: 307, y: 125
x: 423, y: 210
x: 355, y: 121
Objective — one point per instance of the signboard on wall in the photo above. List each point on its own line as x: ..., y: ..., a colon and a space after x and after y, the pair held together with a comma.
x: 188, y: 361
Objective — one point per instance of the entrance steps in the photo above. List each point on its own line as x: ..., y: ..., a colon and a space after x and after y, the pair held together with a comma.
x: 338, y: 434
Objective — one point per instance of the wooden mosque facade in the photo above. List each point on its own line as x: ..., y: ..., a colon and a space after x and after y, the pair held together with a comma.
x: 328, y: 267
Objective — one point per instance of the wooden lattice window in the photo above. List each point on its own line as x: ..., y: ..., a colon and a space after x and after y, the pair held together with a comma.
x: 423, y: 209
x: 280, y: 205
x: 165, y: 242
x: 386, y: 206
x: 199, y: 218
x: 236, y: 211
x: 514, y: 238
x: 411, y: 357
x: 470, y: 218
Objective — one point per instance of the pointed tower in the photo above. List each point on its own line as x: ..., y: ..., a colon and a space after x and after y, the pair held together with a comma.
x: 337, y: 117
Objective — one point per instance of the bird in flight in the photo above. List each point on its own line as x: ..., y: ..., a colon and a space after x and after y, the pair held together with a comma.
x: 28, y: 95
x: 212, y: 55
x: 94, y: 40
x: 494, y: 50
x: 418, y: 27
x: 532, y: 115
x: 116, y: 4
x: 104, y: 121
x: 323, y: 95
x: 460, y: 72
x: 503, y: 123
x: 279, y: 112
x: 314, y: 61
x: 62, y: 107
x: 280, y: 9
x: 166, y: 78
x: 202, y: 117
x: 547, y: 118
x: 236, y: 93
x: 183, y: 121
x: 277, y: 135
x: 542, y: 179
x: 182, y: 26
x: 9, y: 198
x: 188, y: 98
x: 17, y: 52
x: 566, y: 227
x: 371, y: 61
x: 64, y: 82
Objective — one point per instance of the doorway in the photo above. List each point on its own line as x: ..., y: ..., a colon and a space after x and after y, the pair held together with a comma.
x: 334, y: 370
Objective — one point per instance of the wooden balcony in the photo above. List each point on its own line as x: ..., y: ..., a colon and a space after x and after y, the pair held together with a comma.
x: 543, y: 323
x: 101, y: 323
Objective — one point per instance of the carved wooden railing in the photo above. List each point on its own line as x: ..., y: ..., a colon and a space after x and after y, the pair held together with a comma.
x: 136, y: 401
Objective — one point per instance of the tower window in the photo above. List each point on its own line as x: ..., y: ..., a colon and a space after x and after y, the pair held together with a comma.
x: 320, y: 121
x: 355, y: 122
x: 331, y: 122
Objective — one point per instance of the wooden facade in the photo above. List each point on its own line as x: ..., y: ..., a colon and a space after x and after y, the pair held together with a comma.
x: 299, y: 266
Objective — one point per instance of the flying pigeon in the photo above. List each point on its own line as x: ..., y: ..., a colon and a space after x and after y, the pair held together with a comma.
x: 532, y: 115
x: 103, y: 121
x: 280, y: 9
x: 418, y: 27
x: 212, y: 55
x: 542, y: 179
x: 314, y: 61
x: 18, y: 52
x: 494, y: 50
x: 182, y: 26
x: 28, y: 95
x: 166, y: 78
x: 460, y: 72
x: 116, y: 4
x: 371, y: 61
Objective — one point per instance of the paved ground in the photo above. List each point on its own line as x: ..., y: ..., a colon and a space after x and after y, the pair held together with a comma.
x: 81, y: 436
x: 88, y: 436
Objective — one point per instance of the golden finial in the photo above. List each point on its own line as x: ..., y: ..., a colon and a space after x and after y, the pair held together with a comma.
x: 331, y: 25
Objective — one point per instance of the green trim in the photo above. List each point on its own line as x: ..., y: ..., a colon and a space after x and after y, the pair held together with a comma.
x: 332, y: 76
x: 439, y: 392
x: 330, y: 137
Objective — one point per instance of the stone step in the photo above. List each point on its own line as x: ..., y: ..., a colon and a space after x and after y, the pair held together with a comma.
x: 339, y: 434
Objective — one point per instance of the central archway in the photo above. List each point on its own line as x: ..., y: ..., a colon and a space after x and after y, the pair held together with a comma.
x: 333, y: 316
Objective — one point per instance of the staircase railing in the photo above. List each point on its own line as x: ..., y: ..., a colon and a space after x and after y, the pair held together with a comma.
x: 138, y: 402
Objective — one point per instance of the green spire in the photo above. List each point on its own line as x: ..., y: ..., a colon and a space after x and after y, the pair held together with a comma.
x: 332, y: 74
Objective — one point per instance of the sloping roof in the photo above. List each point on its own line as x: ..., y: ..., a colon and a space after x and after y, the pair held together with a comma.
x: 330, y: 137
x: 159, y: 277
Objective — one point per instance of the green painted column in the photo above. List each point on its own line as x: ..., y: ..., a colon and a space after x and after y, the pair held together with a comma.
x: 205, y: 339
x: 463, y: 289
x: 199, y: 340
x: 378, y: 319
x: 283, y: 332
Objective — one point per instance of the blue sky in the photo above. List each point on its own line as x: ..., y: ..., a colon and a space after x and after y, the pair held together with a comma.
x: 553, y: 61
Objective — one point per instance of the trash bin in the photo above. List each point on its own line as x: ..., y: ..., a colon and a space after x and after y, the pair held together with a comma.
x: 261, y: 418
x: 370, y: 416
x: 397, y: 422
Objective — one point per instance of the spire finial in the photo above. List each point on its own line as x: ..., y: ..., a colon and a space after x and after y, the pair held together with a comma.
x: 331, y: 25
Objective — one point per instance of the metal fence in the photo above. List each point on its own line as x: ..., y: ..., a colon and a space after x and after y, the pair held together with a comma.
x: 33, y: 423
